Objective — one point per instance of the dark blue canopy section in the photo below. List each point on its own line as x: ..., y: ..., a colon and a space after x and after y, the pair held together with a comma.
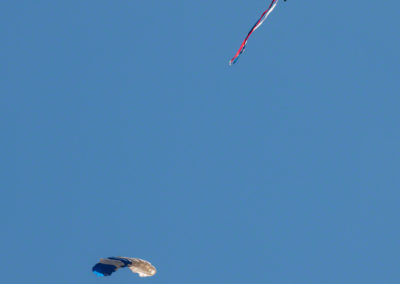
x: 123, y: 260
x: 104, y: 269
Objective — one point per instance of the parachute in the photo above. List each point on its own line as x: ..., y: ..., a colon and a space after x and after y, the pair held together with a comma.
x: 106, y: 266
x: 263, y: 17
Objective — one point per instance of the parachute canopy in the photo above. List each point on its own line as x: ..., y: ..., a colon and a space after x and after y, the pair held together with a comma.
x: 106, y: 266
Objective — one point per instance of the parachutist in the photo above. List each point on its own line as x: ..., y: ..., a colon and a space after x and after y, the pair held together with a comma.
x: 260, y: 21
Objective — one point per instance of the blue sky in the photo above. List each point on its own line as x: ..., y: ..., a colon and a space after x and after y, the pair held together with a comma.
x: 126, y: 132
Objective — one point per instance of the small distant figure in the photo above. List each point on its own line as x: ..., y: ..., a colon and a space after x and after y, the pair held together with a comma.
x: 260, y: 21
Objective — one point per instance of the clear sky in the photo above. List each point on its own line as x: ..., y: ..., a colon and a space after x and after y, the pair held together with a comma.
x: 125, y: 132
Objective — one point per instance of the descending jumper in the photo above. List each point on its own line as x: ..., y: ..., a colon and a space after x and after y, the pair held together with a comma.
x: 256, y: 26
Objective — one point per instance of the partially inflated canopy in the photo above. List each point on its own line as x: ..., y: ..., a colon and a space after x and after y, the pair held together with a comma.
x: 106, y: 266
